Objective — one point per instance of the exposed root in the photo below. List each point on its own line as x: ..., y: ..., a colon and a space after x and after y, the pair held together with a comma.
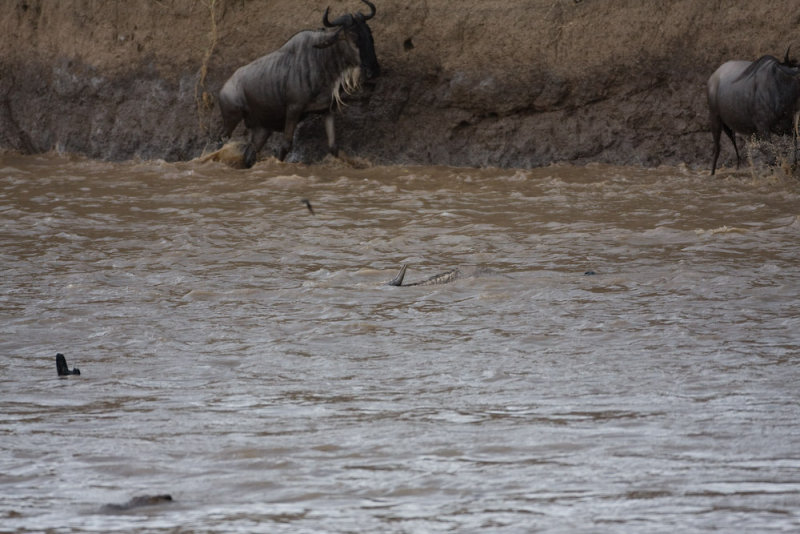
x: 203, y: 99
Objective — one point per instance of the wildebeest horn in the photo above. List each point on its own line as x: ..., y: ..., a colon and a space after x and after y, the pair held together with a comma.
x: 325, y: 20
x: 372, y: 9
x: 786, y: 57
x: 344, y: 20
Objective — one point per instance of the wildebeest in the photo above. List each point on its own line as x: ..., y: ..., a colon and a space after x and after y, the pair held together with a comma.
x: 758, y: 97
x: 305, y: 75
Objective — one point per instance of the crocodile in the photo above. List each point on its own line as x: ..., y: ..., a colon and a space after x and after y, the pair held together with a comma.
x: 437, y: 279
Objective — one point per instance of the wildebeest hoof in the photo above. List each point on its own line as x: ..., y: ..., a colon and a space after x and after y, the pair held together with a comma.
x: 249, y: 157
x: 138, y: 502
x: 62, y: 368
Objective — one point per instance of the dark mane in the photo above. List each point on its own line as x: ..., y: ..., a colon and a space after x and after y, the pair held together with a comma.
x: 788, y: 67
x: 755, y: 65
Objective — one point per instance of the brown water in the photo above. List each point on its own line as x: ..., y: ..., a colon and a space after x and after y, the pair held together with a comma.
x: 242, y: 354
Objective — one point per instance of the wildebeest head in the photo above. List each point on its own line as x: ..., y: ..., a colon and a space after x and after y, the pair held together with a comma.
x: 357, y: 31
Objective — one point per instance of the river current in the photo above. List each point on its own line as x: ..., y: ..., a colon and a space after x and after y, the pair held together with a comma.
x: 627, y: 359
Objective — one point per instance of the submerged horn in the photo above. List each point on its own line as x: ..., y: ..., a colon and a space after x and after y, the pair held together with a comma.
x: 398, y: 280
x: 372, y: 10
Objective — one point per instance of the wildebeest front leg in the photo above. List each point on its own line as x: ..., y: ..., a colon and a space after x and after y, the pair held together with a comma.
x: 258, y: 136
x: 330, y: 130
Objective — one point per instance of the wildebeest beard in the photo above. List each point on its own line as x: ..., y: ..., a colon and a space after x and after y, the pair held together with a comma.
x: 350, y: 81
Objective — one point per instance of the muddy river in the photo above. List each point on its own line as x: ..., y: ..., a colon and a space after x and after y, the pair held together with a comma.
x: 244, y: 355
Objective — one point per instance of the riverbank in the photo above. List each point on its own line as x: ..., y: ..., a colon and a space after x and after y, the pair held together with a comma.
x: 505, y: 84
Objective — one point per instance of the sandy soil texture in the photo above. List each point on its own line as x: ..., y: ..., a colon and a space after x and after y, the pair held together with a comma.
x: 476, y: 82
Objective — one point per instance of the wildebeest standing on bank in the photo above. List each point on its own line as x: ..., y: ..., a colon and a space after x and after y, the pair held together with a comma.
x: 304, y: 76
x: 753, y: 97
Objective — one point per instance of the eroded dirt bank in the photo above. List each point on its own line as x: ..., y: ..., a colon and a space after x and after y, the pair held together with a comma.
x: 476, y: 82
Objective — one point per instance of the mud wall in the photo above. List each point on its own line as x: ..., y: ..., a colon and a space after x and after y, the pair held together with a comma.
x: 475, y: 82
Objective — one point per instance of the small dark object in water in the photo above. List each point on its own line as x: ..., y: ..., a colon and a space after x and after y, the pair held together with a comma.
x: 61, y: 366
x: 136, y: 502
x: 308, y: 205
x: 589, y: 273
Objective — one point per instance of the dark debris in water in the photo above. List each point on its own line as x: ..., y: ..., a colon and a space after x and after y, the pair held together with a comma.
x: 62, y: 368
x: 138, y: 502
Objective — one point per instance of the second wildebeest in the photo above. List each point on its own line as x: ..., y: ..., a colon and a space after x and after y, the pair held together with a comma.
x: 758, y: 97
x: 306, y: 75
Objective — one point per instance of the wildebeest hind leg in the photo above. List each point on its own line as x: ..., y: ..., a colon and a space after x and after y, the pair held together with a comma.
x: 230, y: 119
x: 258, y: 136
x: 716, y: 130
x: 795, y: 124
x: 732, y: 137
